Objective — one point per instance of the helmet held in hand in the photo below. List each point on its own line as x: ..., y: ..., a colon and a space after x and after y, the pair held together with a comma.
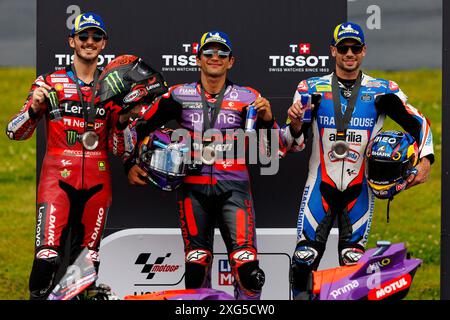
x: 391, y: 157
x: 128, y: 80
x: 163, y: 160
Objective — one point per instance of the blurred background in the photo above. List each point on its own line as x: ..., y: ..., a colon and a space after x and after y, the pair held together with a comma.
x: 394, y: 30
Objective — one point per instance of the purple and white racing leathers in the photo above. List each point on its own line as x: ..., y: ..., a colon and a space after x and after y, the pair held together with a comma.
x: 218, y: 192
x: 338, y: 187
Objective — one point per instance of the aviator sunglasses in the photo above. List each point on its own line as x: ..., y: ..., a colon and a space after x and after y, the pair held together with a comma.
x: 84, y: 36
x: 356, y: 48
x: 210, y: 52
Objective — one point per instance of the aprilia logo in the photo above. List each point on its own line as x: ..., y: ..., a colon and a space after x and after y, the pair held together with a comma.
x: 350, y: 137
x: 157, y: 266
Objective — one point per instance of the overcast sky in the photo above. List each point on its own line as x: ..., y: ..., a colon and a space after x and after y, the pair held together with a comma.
x: 410, y: 32
x: 17, y: 32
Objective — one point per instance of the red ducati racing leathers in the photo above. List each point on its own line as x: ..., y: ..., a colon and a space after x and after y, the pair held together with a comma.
x: 74, y: 191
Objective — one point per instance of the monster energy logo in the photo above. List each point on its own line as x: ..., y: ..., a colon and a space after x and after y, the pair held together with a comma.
x: 114, y: 82
x: 53, y: 97
x: 72, y: 137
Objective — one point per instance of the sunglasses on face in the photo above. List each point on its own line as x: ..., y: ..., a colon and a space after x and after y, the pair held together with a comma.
x: 210, y: 52
x: 84, y: 36
x: 356, y: 48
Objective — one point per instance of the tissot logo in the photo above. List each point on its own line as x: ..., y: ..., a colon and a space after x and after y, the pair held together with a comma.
x: 183, y: 59
x: 298, y: 58
x: 303, y: 48
x: 157, y: 266
x: 63, y: 60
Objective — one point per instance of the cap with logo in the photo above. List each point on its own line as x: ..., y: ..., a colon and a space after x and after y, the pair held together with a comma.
x: 214, y: 37
x: 347, y: 30
x: 88, y: 20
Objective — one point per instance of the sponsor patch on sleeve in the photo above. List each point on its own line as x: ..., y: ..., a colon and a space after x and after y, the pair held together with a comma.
x: 302, y: 86
x: 393, y: 86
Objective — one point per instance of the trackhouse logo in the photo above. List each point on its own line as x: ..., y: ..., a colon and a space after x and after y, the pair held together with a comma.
x: 298, y: 58
x: 184, y: 60
x: 157, y: 266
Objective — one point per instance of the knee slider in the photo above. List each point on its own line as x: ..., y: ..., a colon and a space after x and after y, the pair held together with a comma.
x: 198, y: 263
x: 247, y: 272
x: 251, y: 276
x: 44, y: 269
x: 305, y: 255
x: 350, y: 255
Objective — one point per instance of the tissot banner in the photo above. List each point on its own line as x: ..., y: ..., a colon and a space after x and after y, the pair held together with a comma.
x: 276, y: 45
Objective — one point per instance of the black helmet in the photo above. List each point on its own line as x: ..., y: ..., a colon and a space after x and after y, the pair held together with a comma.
x: 127, y: 80
x: 163, y: 160
x: 390, y: 158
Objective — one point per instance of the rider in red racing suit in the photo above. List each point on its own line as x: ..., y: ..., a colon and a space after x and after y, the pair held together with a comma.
x: 74, y: 191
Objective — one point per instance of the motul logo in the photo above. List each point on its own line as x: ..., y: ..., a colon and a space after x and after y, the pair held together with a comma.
x: 391, y: 287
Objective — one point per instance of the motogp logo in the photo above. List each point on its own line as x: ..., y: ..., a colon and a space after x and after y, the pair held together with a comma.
x: 157, y: 266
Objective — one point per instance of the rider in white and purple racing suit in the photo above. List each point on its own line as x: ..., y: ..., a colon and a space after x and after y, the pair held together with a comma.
x: 217, y: 191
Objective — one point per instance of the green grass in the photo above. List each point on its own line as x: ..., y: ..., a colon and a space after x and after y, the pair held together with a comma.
x: 415, y: 214
x: 17, y: 190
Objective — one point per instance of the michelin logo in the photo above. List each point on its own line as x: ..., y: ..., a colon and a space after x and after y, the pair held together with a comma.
x: 215, y: 37
x: 89, y: 19
x: 348, y: 28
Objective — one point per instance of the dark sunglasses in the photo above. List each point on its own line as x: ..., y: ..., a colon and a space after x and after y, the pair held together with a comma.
x: 210, y: 52
x: 84, y: 36
x: 356, y: 48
